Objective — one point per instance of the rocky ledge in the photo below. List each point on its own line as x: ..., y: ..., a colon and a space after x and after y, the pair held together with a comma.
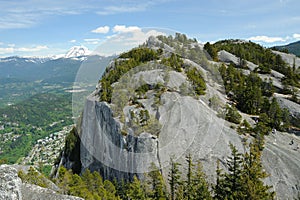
x: 12, y: 188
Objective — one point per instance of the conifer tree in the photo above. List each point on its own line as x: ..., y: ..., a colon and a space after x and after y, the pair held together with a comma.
x: 157, y: 184
x: 64, y: 179
x: 189, y: 185
x: 135, y: 190
x: 253, y: 174
x: 200, y: 188
x: 218, y: 189
x: 174, y: 178
x: 233, y: 178
x: 244, y: 179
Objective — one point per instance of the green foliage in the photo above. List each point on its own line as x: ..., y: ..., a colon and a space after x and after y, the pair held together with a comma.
x: 153, y: 126
x: 33, y: 177
x: 174, y: 61
x: 232, y: 115
x: 142, y: 121
x: 178, y: 39
x: 45, y: 169
x: 141, y: 54
x: 244, y: 179
x: 254, y: 187
x: 267, y: 88
x: 89, y: 185
x: 39, y: 110
x: 264, y: 69
x: 233, y: 185
x: 197, y: 80
x: 196, y: 186
x: 31, y: 120
x: 188, y: 48
x: 71, y: 140
x: 261, y: 56
x: 156, y: 184
x: 174, y: 179
x: 3, y: 161
x: 143, y: 89
x: 72, y: 150
x: 251, y: 95
x: 244, y: 127
x: 128, y: 61
x: 135, y: 190
x: 211, y: 50
x: 277, y: 118
x: 113, y: 75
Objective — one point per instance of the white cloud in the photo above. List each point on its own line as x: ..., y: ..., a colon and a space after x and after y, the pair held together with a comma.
x: 296, y: 36
x: 12, y: 49
x: 72, y: 41
x: 92, y: 41
x: 101, y: 29
x: 31, y: 49
x: 109, y: 10
x: 125, y: 38
x: 267, y: 39
x: 128, y: 6
x: 124, y: 29
x: 22, y: 14
x: 6, y: 50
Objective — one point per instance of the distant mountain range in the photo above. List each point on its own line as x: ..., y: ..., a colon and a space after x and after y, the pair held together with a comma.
x: 75, y: 52
x: 58, y: 68
x: 293, y: 48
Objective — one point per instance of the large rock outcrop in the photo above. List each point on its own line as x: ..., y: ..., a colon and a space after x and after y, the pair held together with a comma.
x: 10, y: 183
x: 187, y: 125
x: 12, y: 188
x: 106, y: 150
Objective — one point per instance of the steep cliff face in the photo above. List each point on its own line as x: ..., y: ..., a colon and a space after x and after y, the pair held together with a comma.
x: 106, y: 150
x: 187, y: 125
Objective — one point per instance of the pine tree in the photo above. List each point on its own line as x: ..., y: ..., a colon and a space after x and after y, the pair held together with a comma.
x: 211, y: 51
x: 110, y: 190
x: 64, y: 179
x: 233, y: 178
x: 200, y: 188
x: 244, y: 180
x: 157, y: 184
x: 78, y: 187
x: 275, y: 114
x: 218, y: 189
x: 229, y: 185
x: 174, y: 178
x: 253, y: 174
x: 122, y: 188
x: 189, y: 185
x: 135, y: 191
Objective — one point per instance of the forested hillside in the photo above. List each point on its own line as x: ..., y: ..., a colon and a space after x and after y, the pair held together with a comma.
x: 36, y: 118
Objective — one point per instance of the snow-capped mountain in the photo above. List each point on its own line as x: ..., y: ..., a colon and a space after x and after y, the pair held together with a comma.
x: 77, y: 51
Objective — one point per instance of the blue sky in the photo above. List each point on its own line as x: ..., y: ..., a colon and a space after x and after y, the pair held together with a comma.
x: 48, y: 27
